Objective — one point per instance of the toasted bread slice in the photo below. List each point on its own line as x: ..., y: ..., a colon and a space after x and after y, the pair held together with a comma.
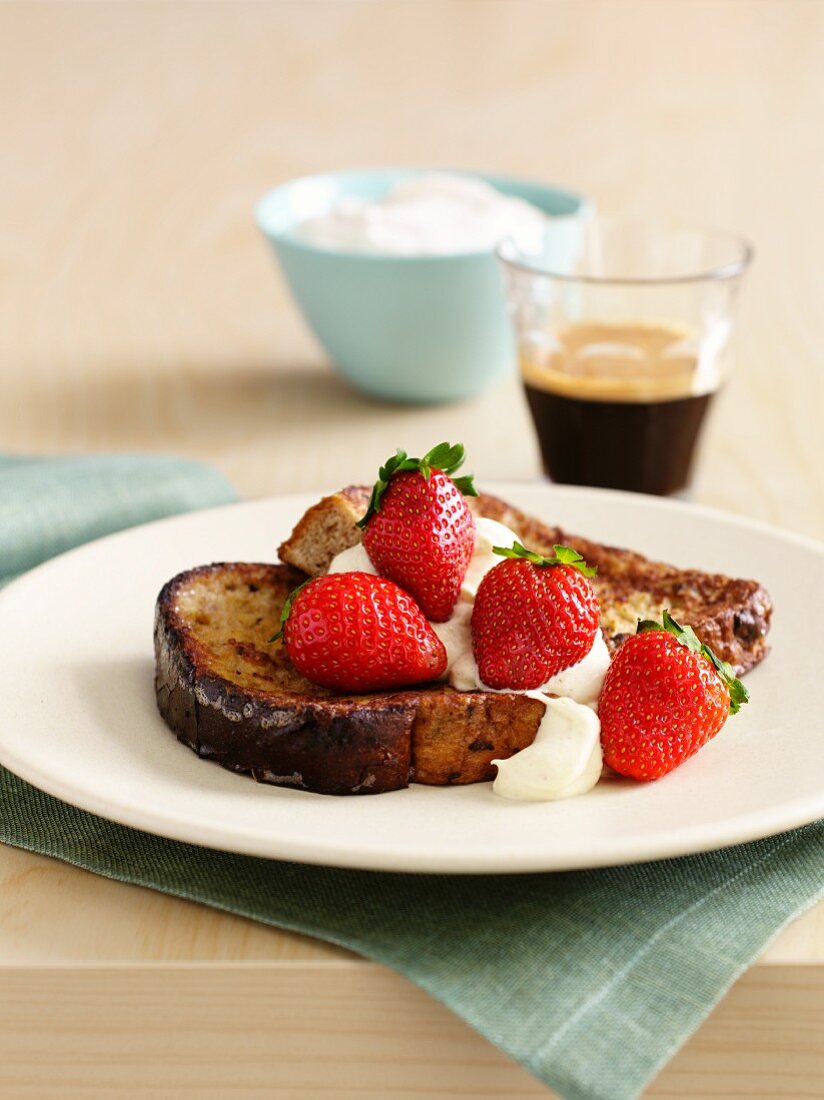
x: 231, y: 695
x: 732, y: 616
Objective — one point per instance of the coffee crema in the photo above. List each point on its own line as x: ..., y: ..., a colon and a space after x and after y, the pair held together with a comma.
x: 620, y: 405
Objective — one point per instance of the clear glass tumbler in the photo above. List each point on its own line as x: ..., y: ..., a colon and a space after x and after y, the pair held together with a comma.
x: 623, y: 331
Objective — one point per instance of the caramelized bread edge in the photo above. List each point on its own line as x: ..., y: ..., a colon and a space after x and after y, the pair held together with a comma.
x: 315, y: 740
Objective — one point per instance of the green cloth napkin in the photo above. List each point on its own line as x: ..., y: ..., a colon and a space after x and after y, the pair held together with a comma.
x: 48, y: 505
x: 591, y: 979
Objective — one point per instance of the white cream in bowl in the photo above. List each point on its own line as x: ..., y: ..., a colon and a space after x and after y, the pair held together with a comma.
x: 432, y: 214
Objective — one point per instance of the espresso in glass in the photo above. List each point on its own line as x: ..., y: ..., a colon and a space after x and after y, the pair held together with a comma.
x: 624, y: 334
x: 620, y: 405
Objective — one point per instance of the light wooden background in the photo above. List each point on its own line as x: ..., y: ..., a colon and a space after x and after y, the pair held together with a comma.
x: 140, y: 310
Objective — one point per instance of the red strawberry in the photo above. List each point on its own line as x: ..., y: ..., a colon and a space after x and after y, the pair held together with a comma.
x: 418, y: 530
x: 665, y: 695
x: 357, y: 632
x: 533, y: 617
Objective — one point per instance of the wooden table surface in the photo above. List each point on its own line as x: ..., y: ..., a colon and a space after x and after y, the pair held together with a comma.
x: 140, y: 310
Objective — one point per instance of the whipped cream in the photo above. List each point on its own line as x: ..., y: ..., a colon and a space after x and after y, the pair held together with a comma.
x: 456, y: 633
x: 488, y: 534
x: 353, y: 560
x: 581, y: 682
x: 429, y: 214
x: 564, y: 760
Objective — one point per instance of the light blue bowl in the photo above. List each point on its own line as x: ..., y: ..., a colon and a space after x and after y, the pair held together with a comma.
x: 416, y: 329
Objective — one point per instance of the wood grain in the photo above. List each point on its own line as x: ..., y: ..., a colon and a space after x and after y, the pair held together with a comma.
x: 348, y: 1031
x: 140, y: 310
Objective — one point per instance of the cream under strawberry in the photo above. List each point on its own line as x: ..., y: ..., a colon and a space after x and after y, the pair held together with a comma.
x: 534, y: 630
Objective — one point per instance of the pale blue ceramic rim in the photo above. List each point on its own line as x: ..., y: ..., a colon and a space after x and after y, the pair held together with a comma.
x: 271, y: 209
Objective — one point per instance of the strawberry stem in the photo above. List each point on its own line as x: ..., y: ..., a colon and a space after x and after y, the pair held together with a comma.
x: 445, y: 457
x: 564, y: 555
x: 739, y: 695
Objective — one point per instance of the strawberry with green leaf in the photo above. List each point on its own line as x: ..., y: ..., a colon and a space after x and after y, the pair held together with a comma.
x: 664, y: 697
x: 418, y: 530
x: 533, y: 617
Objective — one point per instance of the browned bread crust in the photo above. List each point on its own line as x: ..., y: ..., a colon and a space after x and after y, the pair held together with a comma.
x: 232, y: 696
x: 326, y: 529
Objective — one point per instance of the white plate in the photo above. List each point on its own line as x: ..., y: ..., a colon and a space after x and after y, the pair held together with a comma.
x: 79, y: 717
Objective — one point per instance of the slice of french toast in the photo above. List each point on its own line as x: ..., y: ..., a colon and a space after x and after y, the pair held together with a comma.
x: 232, y: 695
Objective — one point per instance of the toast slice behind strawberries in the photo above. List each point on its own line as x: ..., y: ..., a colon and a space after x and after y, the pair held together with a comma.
x: 729, y: 615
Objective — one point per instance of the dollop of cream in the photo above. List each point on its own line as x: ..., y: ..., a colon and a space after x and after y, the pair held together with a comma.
x: 581, y: 682
x: 428, y: 214
x: 455, y: 633
x: 353, y: 560
x: 563, y: 761
x: 565, y: 758
x: 488, y: 534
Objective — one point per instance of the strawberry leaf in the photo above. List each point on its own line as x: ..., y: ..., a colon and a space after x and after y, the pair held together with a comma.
x: 466, y: 485
x: 445, y: 457
x: 287, y: 607
x: 564, y: 555
x: 739, y: 695
x: 518, y: 550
